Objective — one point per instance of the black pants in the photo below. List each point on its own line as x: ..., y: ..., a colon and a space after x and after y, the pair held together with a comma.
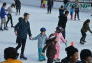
x: 77, y: 15
x: 49, y: 8
x: 50, y: 60
x: 63, y: 33
x: 18, y: 10
x: 21, y: 43
x: 83, y: 36
x: 9, y: 19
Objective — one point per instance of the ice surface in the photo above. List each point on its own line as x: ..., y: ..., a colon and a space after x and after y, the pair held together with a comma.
x: 39, y: 18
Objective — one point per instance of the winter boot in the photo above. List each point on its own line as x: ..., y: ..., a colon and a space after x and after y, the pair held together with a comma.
x: 23, y: 57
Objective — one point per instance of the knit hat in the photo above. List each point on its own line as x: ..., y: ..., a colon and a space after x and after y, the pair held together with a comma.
x: 43, y: 29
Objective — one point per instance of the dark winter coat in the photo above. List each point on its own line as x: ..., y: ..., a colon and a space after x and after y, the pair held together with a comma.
x: 76, y: 10
x: 61, y: 12
x: 50, y: 3
x: 17, y: 3
x: 65, y: 1
x: 23, y: 28
x: 51, y: 50
x: 67, y: 60
x: 62, y: 21
x: 2, y: 13
x: 86, y: 28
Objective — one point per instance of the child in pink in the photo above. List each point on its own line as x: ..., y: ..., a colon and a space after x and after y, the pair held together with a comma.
x: 60, y: 39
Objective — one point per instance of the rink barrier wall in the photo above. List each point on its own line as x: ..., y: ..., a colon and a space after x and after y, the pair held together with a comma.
x: 84, y: 6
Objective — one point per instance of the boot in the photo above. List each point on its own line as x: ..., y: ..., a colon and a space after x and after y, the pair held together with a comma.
x: 5, y: 28
x: 81, y: 42
x: 23, y: 57
x: 1, y: 29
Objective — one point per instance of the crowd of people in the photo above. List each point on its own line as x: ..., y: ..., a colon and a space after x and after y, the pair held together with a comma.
x: 51, y: 44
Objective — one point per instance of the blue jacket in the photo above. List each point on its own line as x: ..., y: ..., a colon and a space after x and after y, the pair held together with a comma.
x: 2, y: 13
x: 71, y: 11
x: 41, y: 40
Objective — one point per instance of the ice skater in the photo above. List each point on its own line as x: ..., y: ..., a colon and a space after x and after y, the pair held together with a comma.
x: 84, y: 29
x: 62, y: 22
x: 77, y: 13
x: 61, y: 10
x: 65, y: 3
x: 49, y: 5
x: 72, y: 12
x: 3, y: 16
x: 42, y: 37
x: 10, y: 11
x: 18, y: 6
x: 60, y: 39
x: 22, y: 28
x: 51, y: 49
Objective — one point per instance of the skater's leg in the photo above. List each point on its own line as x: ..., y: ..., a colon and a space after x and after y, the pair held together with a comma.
x: 78, y: 15
x: 8, y: 20
x: 18, y: 40
x: 1, y: 24
x: 16, y: 11
x: 22, y: 50
x: 83, y: 37
x: 75, y: 16
x: 41, y: 57
x: 23, y: 46
x: 48, y: 9
x: 63, y: 33
x: 11, y: 20
x: 50, y: 60
x: 19, y: 11
x: 5, y: 24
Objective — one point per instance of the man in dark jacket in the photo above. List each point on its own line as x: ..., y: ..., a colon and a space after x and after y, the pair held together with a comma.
x: 62, y: 21
x: 18, y: 6
x: 21, y: 30
x: 50, y: 5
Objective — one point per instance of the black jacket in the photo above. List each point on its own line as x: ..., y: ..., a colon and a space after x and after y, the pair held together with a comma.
x: 62, y: 21
x: 61, y: 12
x: 23, y: 28
x: 65, y: 1
x: 50, y: 3
x: 86, y: 28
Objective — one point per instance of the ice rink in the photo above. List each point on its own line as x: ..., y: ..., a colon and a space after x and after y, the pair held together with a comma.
x: 39, y: 18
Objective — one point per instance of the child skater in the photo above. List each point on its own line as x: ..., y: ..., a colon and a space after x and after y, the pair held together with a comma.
x: 51, y: 49
x: 72, y: 12
x: 41, y: 43
x: 84, y: 29
x: 60, y: 39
